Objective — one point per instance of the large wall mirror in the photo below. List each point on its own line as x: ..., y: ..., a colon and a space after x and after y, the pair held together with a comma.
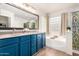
x: 12, y: 16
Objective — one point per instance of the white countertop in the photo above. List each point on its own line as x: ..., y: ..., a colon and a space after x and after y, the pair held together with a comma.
x: 18, y: 34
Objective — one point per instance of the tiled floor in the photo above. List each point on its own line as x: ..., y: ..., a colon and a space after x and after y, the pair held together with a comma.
x: 51, y: 52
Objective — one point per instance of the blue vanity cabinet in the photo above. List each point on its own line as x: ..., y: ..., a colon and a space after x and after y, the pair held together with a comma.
x: 25, y: 45
x: 9, y: 47
x: 39, y: 42
x: 33, y: 44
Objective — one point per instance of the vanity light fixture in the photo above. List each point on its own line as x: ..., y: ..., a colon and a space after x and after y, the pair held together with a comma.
x: 29, y: 6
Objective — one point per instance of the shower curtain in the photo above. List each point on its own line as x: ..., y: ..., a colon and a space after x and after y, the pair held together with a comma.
x: 75, y: 30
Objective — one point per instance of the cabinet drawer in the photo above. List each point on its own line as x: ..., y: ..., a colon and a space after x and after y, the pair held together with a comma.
x: 25, y: 38
x: 33, y: 37
x: 11, y: 50
x: 8, y: 41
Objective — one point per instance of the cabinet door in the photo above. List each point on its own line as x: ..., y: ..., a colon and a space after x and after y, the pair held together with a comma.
x: 25, y: 49
x: 25, y: 38
x: 10, y: 50
x: 8, y: 41
x: 33, y: 44
x: 9, y: 46
x: 43, y: 40
x: 39, y: 42
x: 25, y: 45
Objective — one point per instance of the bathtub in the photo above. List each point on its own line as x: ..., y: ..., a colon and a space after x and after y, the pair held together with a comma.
x: 58, y: 43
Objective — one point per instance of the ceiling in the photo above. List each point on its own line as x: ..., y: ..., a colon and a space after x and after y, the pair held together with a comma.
x: 52, y: 7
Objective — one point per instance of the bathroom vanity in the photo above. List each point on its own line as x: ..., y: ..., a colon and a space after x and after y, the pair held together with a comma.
x: 21, y: 44
x: 15, y: 18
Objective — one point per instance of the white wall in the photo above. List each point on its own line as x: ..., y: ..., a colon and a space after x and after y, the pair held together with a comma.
x: 69, y: 35
x: 42, y: 23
